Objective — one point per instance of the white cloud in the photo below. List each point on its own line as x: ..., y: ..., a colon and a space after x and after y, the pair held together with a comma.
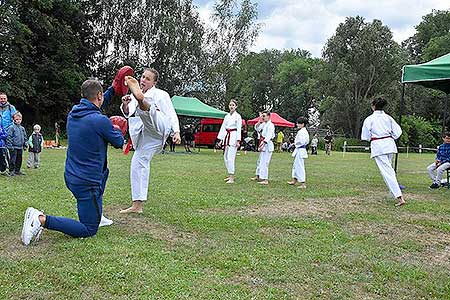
x: 309, y: 24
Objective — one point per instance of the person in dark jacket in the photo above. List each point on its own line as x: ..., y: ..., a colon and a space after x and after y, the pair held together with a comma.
x: 3, y: 153
x: 86, y: 171
x: 16, y: 142
x: 35, y: 145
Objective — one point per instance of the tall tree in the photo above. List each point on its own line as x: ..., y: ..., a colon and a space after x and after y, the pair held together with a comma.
x: 48, y: 47
x: 166, y: 35
x: 432, y: 37
x: 234, y: 31
x: 363, y: 61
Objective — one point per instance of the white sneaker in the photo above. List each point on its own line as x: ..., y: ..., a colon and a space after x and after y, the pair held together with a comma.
x: 105, y: 221
x: 31, y: 226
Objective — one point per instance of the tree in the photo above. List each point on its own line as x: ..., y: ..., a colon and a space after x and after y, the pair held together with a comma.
x: 48, y: 47
x: 166, y: 35
x: 432, y: 37
x: 363, y: 61
x: 233, y: 32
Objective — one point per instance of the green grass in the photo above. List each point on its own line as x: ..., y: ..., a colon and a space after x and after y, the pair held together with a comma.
x: 341, y: 238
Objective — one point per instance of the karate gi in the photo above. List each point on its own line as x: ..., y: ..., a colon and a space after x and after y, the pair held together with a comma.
x: 230, y: 134
x: 148, y: 132
x: 267, y: 134
x: 382, y: 131
x: 299, y: 154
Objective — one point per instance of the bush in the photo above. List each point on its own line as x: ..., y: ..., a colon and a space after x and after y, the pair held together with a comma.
x: 419, y: 131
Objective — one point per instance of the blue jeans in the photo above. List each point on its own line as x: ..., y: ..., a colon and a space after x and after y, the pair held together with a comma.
x: 89, y: 204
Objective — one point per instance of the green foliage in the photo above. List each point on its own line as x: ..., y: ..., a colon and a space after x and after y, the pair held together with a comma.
x: 47, y: 51
x: 278, y: 81
x: 419, y: 131
x: 363, y: 61
x: 431, y: 38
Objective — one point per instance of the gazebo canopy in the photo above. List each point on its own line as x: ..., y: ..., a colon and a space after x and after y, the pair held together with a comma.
x: 193, y: 107
x: 434, y: 74
x: 276, y: 120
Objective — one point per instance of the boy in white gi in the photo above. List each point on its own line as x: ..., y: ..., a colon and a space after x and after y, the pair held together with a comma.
x: 230, y: 137
x: 382, y: 131
x: 300, y: 153
x: 265, y: 148
x: 154, y: 121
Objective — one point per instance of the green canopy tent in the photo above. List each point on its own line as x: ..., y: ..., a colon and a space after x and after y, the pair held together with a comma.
x: 434, y: 74
x: 193, y: 107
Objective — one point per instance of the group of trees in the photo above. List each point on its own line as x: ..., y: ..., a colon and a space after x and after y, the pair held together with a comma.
x: 51, y: 46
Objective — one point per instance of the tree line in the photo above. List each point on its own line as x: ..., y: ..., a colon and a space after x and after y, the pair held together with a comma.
x: 51, y: 46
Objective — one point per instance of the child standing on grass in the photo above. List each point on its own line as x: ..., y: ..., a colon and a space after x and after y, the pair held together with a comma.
x: 442, y: 162
x: 300, y: 153
x: 35, y: 145
x: 16, y: 142
x: 382, y: 131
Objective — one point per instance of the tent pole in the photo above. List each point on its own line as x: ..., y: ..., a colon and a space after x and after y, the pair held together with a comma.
x: 444, y: 122
x: 402, y: 105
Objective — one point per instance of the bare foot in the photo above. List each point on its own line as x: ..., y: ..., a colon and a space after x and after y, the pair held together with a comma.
x: 302, y: 186
x: 264, y: 182
x: 230, y: 181
x: 133, y: 84
x: 131, y: 210
x: 255, y: 178
x: 226, y: 179
x: 293, y: 182
x: 400, y: 202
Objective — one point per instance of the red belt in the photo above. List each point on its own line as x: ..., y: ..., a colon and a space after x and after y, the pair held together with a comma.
x: 227, y: 137
x: 261, y: 142
x: 381, y: 138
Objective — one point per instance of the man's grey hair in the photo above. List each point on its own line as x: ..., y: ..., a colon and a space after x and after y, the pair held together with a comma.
x: 90, y: 88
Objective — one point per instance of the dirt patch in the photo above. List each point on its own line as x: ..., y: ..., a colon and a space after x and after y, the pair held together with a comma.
x: 426, y: 247
x: 11, y: 247
x: 310, y: 207
x: 143, y: 224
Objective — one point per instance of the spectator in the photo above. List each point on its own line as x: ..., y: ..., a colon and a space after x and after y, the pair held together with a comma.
x: 7, y: 111
x: 16, y: 142
x: 314, y: 143
x: 442, y: 162
x: 3, y: 153
x: 328, y: 142
x: 280, y: 139
x: 35, y: 145
x: 188, y: 137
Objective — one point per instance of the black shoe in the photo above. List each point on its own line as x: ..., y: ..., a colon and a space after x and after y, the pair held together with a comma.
x: 434, y: 186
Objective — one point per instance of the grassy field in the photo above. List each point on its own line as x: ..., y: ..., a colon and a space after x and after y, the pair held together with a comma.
x: 199, y: 238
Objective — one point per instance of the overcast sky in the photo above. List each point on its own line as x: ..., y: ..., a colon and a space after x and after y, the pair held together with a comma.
x: 307, y: 24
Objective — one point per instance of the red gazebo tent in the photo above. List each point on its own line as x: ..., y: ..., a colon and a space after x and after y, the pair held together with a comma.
x: 276, y: 120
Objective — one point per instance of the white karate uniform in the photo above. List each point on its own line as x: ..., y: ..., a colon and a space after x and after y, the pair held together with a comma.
x: 230, y: 135
x: 258, y: 128
x: 148, y: 132
x: 267, y: 134
x: 299, y: 154
x: 382, y: 131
